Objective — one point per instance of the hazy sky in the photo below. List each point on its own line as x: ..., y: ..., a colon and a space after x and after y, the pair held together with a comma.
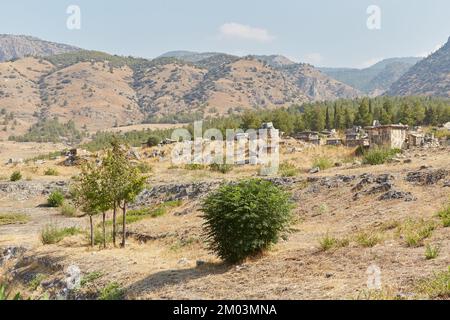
x: 322, y: 32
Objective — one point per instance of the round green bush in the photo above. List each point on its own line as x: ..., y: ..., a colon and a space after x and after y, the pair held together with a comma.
x: 153, y: 141
x: 243, y: 220
x: 16, y: 176
x: 56, y: 199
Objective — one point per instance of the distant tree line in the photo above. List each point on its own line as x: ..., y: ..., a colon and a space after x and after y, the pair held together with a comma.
x: 135, y: 138
x: 51, y: 130
x: 342, y: 114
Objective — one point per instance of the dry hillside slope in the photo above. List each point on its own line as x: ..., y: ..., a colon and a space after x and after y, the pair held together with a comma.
x: 430, y: 77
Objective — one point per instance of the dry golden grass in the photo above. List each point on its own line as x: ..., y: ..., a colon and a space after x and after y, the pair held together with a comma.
x: 173, y: 262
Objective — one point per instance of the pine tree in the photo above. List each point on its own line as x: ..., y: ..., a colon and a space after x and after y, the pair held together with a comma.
x: 363, y: 117
x: 328, y: 119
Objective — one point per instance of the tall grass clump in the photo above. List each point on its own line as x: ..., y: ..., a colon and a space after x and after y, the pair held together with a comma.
x: 436, y: 286
x: 444, y: 214
x: 288, y: 169
x: 414, y: 232
x: 323, y: 163
x: 52, y: 234
x: 378, y: 156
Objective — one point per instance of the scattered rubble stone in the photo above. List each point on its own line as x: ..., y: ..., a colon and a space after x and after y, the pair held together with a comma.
x: 383, y: 183
x: 428, y: 177
x: 23, y: 190
x: 196, y: 190
x: 314, y: 170
x: 9, y: 253
x: 394, y: 194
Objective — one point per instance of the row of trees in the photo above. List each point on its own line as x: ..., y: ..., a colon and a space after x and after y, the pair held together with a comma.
x: 110, y: 185
x: 342, y: 114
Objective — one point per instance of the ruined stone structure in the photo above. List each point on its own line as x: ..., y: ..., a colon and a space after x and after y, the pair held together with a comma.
x: 308, y: 136
x: 391, y: 136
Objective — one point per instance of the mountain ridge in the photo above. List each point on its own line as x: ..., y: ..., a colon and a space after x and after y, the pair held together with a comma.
x: 375, y: 79
x: 21, y: 46
x: 430, y: 77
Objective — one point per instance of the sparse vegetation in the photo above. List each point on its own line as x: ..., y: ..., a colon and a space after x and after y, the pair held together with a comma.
x: 194, y: 167
x: 327, y: 242
x: 368, y: 240
x: 52, y: 234
x: 50, y: 131
x: 322, y: 163
x: 90, y: 277
x: 288, y: 170
x: 16, y: 176
x: 6, y: 294
x: 222, y: 168
x: 55, y: 199
x: 67, y: 209
x: 13, y: 218
x: 437, y: 286
x: 377, y: 156
x: 444, y: 215
x: 245, y: 219
x: 136, y: 215
x: 51, y: 172
x: 144, y: 167
x: 431, y: 252
x: 414, y: 232
x: 112, y: 291
x: 36, y: 281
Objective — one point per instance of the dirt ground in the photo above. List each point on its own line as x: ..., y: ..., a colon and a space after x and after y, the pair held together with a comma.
x: 166, y: 257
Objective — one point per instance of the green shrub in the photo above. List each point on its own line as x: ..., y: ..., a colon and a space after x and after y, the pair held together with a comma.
x: 16, y: 176
x: 55, y: 199
x: 51, y: 234
x: 112, y: 291
x: 378, y: 156
x: 243, y: 220
x: 323, y: 163
x: 223, y: 168
x: 153, y: 141
x: 51, y: 172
